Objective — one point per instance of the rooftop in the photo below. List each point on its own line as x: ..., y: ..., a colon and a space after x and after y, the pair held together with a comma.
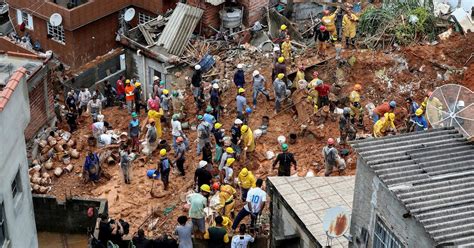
x: 310, y: 197
x: 432, y: 174
x: 10, y: 86
x: 12, y: 61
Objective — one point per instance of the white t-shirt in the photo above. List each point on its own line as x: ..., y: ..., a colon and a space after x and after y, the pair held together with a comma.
x: 228, y: 174
x: 241, y: 241
x: 176, y: 128
x: 256, y: 196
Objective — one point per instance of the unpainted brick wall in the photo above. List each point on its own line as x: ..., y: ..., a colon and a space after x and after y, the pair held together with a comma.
x: 210, y: 17
x: 254, y: 10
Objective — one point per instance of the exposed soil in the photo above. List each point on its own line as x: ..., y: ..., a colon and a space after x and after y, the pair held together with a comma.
x: 408, y: 72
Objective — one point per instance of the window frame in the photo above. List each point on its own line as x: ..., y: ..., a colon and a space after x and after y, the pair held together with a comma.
x: 56, y: 33
x: 25, y: 18
x: 16, y: 186
x: 389, y: 240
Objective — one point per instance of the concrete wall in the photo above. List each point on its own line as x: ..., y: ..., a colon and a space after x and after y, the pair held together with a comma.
x: 285, y: 223
x: 19, y: 215
x: 371, y: 199
x: 68, y: 216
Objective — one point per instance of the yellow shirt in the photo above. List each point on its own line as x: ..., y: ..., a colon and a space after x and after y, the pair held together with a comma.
x: 156, y: 115
x: 248, y: 141
x: 349, y: 26
x: 248, y: 181
x: 381, y: 126
x: 328, y: 22
x: 299, y: 76
x: 354, y: 96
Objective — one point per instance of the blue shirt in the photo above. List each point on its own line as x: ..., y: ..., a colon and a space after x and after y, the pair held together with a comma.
x: 420, y: 123
x: 413, y: 107
x: 241, y: 102
x: 209, y: 118
x: 239, y: 78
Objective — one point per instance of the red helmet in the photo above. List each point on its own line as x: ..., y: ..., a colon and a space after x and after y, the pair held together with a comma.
x: 326, y: 12
x: 322, y: 28
x: 216, y: 186
x: 330, y: 141
x: 179, y: 139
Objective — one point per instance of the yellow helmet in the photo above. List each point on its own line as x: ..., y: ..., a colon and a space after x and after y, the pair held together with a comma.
x: 166, y: 92
x: 280, y: 75
x: 127, y: 81
x: 217, y: 125
x: 281, y: 59
x: 244, y: 172
x: 162, y: 152
x: 206, y: 188
x: 225, y: 220
x: 391, y: 116
x: 229, y: 150
x: 241, y: 90
x: 419, y: 112
x: 244, y: 128
x: 137, y: 84
x: 283, y: 27
x: 230, y: 161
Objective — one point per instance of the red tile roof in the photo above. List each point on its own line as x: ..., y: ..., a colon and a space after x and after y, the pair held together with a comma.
x: 13, y: 82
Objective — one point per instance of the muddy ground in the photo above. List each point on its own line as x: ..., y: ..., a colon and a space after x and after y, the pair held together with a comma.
x: 384, y: 75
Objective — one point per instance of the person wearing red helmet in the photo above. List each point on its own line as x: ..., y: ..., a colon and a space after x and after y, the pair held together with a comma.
x: 332, y: 158
x: 321, y: 37
x: 328, y: 20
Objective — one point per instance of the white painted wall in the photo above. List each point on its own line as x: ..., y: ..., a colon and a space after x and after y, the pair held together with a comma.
x: 20, y: 220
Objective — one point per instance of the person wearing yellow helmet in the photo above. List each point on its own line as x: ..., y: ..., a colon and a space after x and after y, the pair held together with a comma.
x: 129, y: 95
x: 226, y: 200
x: 197, y: 203
x: 418, y: 122
x: 219, y: 137
x: 247, y: 139
x: 254, y: 204
x: 356, y: 106
x: 228, y: 172
x: 280, y: 90
x: 241, y: 103
x: 229, y: 153
x: 279, y: 67
x: 283, y: 33
x: 217, y: 235
x: 286, y: 49
x: 164, y: 168
x: 246, y: 181
x: 384, y: 125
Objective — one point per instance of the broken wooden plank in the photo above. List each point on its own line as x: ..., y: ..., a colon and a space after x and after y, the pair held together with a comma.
x: 146, y: 34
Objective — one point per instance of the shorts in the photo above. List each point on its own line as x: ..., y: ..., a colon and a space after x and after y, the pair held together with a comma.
x: 199, y: 224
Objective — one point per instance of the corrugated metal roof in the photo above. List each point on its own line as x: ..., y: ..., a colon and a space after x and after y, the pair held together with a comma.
x: 179, y: 28
x: 432, y: 174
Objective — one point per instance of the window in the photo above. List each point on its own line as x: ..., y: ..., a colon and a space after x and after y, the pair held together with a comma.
x: 383, y: 237
x: 56, y: 33
x: 142, y: 18
x: 3, y: 226
x: 16, y: 185
x: 23, y: 17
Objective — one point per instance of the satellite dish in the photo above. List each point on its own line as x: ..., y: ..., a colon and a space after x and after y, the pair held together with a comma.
x: 129, y: 14
x: 452, y: 105
x: 55, y: 19
x: 336, y: 221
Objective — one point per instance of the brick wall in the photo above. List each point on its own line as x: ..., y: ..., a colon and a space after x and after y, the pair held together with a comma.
x: 254, y: 10
x: 210, y: 16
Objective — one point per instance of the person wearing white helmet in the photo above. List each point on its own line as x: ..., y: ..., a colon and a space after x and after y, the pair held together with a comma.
x: 196, y: 80
x: 215, y: 95
x: 239, y: 76
x: 259, y: 86
x: 235, y: 131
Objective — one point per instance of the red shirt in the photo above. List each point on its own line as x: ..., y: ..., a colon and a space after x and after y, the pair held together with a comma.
x: 323, y: 89
x: 382, y: 109
x: 120, y: 88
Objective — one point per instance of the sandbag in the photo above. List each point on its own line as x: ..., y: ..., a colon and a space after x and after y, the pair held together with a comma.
x: 58, y: 171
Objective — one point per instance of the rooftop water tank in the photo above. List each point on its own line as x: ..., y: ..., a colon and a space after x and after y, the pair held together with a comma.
x: 231, y: 17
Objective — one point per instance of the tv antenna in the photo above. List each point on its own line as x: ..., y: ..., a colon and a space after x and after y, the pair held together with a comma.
x: 129, y: 14
x: 336, y: 222
x: 55, y: 19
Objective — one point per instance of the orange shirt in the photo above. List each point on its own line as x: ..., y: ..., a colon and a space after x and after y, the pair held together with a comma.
x: 129, y: 96
x: 382, y: 109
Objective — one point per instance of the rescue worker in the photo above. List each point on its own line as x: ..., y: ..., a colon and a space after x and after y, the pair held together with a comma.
x: 419, y: 121
x: 356, y: 106
x: 280, y: 67
x: 246, y: 181
x: 154, y: 103
x: 203, y: 134
x: 385, y: 107
x: 328, y: 20
x: 323, y: 90
x: 125, y: 162
x: 129, y: 95
x: 99, y: 127
x: 236, y: 134
x: 226, y: 205
x: 412, y: 106
x: 197, y: 203
x: 71, y: 102
x: 435, y: 104
x: 322, y: 37
x: 202, y: 175
x: 91, y: 169
x: 345, y: 126
x: 120, y: 88
x: 180, y: 155
x: 279, y: 88
x: 286, y: 49
x: 156, y: 115
x: 229, y: 153
x: 94, y: 108
x: 285, y: 159
x: 241, y: 103
x: 239, y: 76
x: 71, y: 119
x: 219, y: 138
x: 215, y: 95
x: 217, y: 235
x: 259, y: 86
x: 276, y: 55
x: 196, y: 79
x: 254, y: 205
x: 134, y: 131
x: 332, y: 159
x: 177, y: 100
x: 150, y: 142
x: 164, y: 167
x: 282, y: 35
x: 84, y: 98
x: 247, y: 139
x: 137, y: 93
x: 300, y: 76
x: 208, y: 117
x: 165, y: 105
x: 384, y: 125
x: 349, y: 24
x: 228, y: 171
x: 312, y: 92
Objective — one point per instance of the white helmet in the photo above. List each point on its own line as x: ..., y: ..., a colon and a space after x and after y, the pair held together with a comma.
x: 215, y: 86
x: 240, y: 66
x: 256, y: 73
x: 197, y: 67
x: 100, y: 117
x: 156, y: 78
x: 276, y: 49
x: 202, y: 163
x: 238, y: 122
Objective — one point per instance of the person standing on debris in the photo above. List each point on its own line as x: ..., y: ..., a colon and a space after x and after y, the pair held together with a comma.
x: 84, y: 98
x: 412, y: 106
x: 254, y: 204
x: 71, y: 119
x: 356, y: 106
x: 280, y: 67
x: 125, y: 162
x: 120, y: 89
x: 332, y: 159
x: 165, y: 105
x: 137, y: 93
x: 419, y: 121
x: 217, y: 235
x: 156, y: 87
x: 246, y: 181
x: 94, y: 107
x: 322, y: 37
x: 164, y: 168
x: 109, y: 94
x: 184, y: 232
x: 179, y: 155
x: 154, y: 103
x: 202, y: 175
x: 259, y: 86
x: 285, y: 160
x: 380, y: 110
x: 242, y: 239
x: 91, y: 170
x: 345, y: 126
x: 276, y: 55
x: 385, y: 125
x: 134, y: 131
x: 300, y: 76
x: 57, y: 110
x: 228, y: 174
x: 247, y: 139
x: 236, y: 134
x: 226, y: 205
x: 207, y: 153
x: 241, y: 103
x: 215, y: 95
x: 203, y: 134
x: 197, y: 203
x: 196, y: 80
x: 71, y: 102
x: 219, y: 138
x: 129, y: 95
x: 239, y: 76
x: 177, y: 131
x: 283, y: 34
x: 151, y: 140
x: 156, y: 116
x: 208, y: 117
x: 328, y: 20
x: 279, y: 88
x: 323, y: 93
x: 286, y: 49
x: 349, y: 24
x: 99, y: 127
x: 229, y: 153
